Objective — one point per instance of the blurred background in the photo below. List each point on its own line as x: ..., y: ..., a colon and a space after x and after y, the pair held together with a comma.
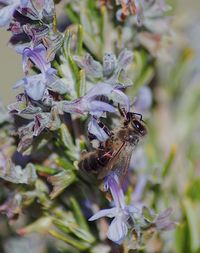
x: 174, y: 139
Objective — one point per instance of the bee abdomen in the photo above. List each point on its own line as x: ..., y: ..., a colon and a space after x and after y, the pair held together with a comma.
x: 92, y: 162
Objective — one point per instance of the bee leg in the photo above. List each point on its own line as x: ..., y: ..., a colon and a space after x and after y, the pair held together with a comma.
x: 103, y: 126
x: 108, y: 154
x: 91, y: 137
x: 122, y: 112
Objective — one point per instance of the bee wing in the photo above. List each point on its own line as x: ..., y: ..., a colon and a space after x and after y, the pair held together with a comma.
x: 124, y: 165
x: 118, y: 163
x: 113, y: 160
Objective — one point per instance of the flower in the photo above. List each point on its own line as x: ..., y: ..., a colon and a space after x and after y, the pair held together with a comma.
x: 90, y: 103
x: 38, y: 56
x: 36, y: 85
x: 118, y: 228
x: 96, y: 130
x: 6, y: 13
x: 134, y: 218
x: 113, y: 70
x: 150, y: 14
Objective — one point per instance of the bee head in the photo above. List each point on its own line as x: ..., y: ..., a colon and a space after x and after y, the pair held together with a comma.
x: 135, y: 119
x: 139, y: 126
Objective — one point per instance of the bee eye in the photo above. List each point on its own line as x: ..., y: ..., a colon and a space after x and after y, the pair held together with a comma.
x: 139, y: 127
x: 136, y: 124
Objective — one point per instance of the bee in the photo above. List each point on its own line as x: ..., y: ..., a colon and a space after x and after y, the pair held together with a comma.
x: 114, y: 154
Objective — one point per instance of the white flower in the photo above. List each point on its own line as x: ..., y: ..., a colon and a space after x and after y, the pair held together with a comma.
x: 118, y: 228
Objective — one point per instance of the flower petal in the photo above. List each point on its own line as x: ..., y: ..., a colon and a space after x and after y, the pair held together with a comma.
x: 99, y: 89
x: 96, y: 130
x: 116, y: 190
x: 104, y: 213
x: 34, y: 86
x: 6, y: 13
x: 97, y: 108
x: 38, y: 56
x: 118, y: 230
x: 121, y: 98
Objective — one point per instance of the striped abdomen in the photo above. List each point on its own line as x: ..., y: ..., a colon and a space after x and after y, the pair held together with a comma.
x: 93, y: 161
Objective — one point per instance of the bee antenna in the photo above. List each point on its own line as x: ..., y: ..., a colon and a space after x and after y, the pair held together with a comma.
x: 139, y: 114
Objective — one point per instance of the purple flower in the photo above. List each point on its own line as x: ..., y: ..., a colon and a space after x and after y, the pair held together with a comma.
x: 118, y: 228
x: 97, y: 131
x: 38, y: 56
x: 163, y: 221
x: 38, y: 9
x: 130, y: 218
x: 90, y: 103
x: 36, y: 85
x: 12, y: 206
x: 6, y: 12
x: 7, y: 9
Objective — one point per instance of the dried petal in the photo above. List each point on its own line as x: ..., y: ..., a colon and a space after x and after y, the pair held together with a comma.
x: 61, y: 181
x: 16, y: 174
x: 12, y: 206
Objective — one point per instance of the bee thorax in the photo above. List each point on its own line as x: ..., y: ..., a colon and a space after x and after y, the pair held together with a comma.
x: 132, y: 139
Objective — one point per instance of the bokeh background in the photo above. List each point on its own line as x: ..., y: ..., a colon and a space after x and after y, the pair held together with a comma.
x: 174, y: 129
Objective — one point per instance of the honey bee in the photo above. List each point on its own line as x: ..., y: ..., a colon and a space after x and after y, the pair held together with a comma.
x: 114, y: 154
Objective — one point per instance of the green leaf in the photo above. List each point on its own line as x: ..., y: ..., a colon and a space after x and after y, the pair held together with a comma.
x: 70, y: 240
x: 192, y: 213
x: 193, y: 190
x: 68, y: 56
x: 78, y: 214
x: 80, y: 40
x: 82, y: 88
x: 144, y: 79
x: 181, y: 239
x: 66, y: 136
x: 45, y: 170
x: 169, y: 161
x: 71, y: 227
x: 41, y: 226
x: 63, y: 163
x: 74, y: 18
